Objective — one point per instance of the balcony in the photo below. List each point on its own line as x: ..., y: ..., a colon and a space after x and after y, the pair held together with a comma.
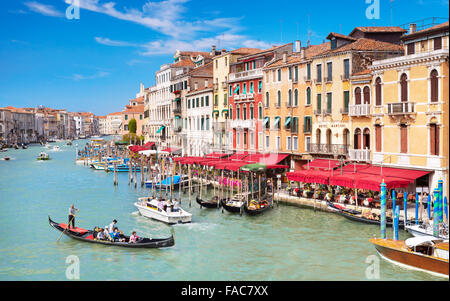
x: 289, y: 104
x: 178, y: 129
x: 177, y: 110
x: 359, y: 154
x: 344, y: 111
x: 327, y: 111
x: 244, y: 75
x: 345, y: 77
x: 241, y: 124
x: 359, y: 110
x: 224, y: 86
x: 318, y: 81
x: 248, y: 96
x: 329, y: 149
x: 218, y: 126
x: 401, y: 108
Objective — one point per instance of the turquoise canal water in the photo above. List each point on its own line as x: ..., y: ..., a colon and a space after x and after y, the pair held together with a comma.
x: 286, y: 243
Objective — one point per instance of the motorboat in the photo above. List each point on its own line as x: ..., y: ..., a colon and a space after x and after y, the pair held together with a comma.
x: 56, y: 148
x: 425, y: 229
x: 424, y: 253
x: 151, y: 208
x: 43, y: 156
x: 177, y: 182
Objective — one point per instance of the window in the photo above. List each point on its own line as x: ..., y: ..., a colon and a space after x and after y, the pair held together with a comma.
x: 126, y: 117
x: 437, y: 43
x: 202, y: 101
x: 278, y: 142
x: 267, y: 100
x: 288, y: 142
x: 358, y: 96
x: 238, y: 138
x: 307, y: 122
x: 245, y: 139
x: 231, y: 113
x: 434, y: 86
x: 329, y: 102
x: 238, y: 112
x: 294, y: 127
x: 296, y: 97
x: 251, y: 87
x: 378, y: 91
x: 295, y: 143
x: 346, y: 68
x: 216, y: 100
x: 267, y: 141
x: 260, y: 86
x: 279, y: 99
x: 226, y: 61
x: 197, y: 102
x: 333, y: 44
x: 308, y: 96
x: 366, y: 92
x: 244, y: 89
x: 207, y: 101
x: 290, y: 73
x: 252, y: 112
x: 330, y: 71
x: 231, y: 91
x: 296, y: 73
x: 404, y: 138
x: 308, y: 144
x: 260, y: 111
x: 378, y: 138
x: 260, y: 140
x: 434, y: 140
x: 225, y: 99
x: 279, y: 75
x: 404, y: 88
x: 308, y: 71
x: 244, y: 112
x: 252, y: 139
x: 319, y: 103
x: 140, y: 117
x: 289, y: 98
x: 319, y: 73
x: 410, y: 48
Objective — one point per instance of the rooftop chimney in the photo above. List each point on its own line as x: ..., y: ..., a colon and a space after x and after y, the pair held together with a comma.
x: 298, y: 45
x: 412, y: 28
x: 206, y: 83
x: 285, y: 57
x: 302, y: 53
x: 195, y: 86
x: 213, y: 50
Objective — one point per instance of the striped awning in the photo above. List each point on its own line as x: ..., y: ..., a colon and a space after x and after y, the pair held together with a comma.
x: 160, y: 129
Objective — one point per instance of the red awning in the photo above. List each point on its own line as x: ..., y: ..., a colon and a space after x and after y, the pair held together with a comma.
x: 409, y: 174
x: 322, y: 164
x: 171, y: 150
x: 374, y: 182
x: 275, y: 166
x: 216, y: 155
x: 148, y: 145
x: 268, y: 159
x: 345, y: 180
x: 234, y: 166
x: 309, y: 176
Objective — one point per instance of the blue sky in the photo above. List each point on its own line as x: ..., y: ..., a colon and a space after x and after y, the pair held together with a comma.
x: 95, y: 63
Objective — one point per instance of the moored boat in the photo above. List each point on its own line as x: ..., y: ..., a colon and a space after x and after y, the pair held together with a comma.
x: 56, y: 148
x: 149, y: 208
x: 255, y: 207
x: 425, y: 253
x: 123, y: 168
x: 212, y: 203
x: 88, y: 236
x: 425, y: 229
x: 235, y: 204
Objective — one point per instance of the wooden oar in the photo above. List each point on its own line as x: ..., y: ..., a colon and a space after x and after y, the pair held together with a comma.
x: 68, y: 225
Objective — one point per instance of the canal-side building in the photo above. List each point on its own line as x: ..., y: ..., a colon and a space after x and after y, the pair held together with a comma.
x: 133, y: 110
x: 331, y: 88
x: 411, y: 115
x: 221, y: 70
x: 287, y: 122
x: 245, y: 91
x: 19, y: 125
x: 198, y: 117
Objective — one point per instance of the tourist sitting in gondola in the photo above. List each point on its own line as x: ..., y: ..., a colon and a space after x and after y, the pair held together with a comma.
x: 116, y: 236
x: 106, y: 234
x: 133, y: 238
x: 100, y: 235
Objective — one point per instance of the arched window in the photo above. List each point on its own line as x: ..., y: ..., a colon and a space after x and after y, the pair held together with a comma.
x: 267, y: 100
x: 366, y: 139
x: 434, y: 139
x: 318, y: 134
x: 252, y: 112
x: 357, y: 139
x: 434, y: 86
x: 238, y: 112
x: 378, y: 91
x: 358, y: 96
x: 329, y: 137
x: 346, y: 137
x: 231, y: 112
x: 404, y: 88
x: 244, y: 113
x: 290, y: 97
x: 308, y: 96
x: 260, y: 111
x: 378, y: 140
x: 279, y: 99
x: 296, y: 97
x: 366, y: 92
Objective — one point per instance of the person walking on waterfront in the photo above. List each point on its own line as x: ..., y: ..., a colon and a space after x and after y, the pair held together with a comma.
x: 72, y: 212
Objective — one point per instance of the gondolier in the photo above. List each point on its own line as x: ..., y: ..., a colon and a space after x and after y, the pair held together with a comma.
x: 72, y: 212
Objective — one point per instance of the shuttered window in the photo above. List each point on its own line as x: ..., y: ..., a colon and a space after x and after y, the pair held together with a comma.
x: 296, y: 97
x: 319, y: 102
x: 403, y: 139
x: 437, y: 43
x: 329, y: 102
x: 366, y: 92
x: 378, y: 91
x: 358, y: 96
x: 434, y: 86
x: 346, y: 100
x: 378, y: 137
x: 308, y: 96
x: 434, y: 140
x: 357, y: 139
x: 404, y: 88
x: 411, y: 49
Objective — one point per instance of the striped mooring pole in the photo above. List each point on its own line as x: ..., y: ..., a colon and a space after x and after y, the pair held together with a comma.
x: 396, y: 221
x: 436, y: 213
x: 383, y: 210
x: 441, y: 200
x: 405, y: 207
x: 429, y: 206
x: 417, y: 209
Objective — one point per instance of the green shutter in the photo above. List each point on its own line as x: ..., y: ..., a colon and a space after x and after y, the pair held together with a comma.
x: 319, y: 102
x: 346, y: 99
x: 329, y: 102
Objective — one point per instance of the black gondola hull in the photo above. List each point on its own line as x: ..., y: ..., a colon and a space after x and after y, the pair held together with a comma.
x: 231, y: 209
x: 144, y: 243
x: 208, y: 204
x: 360, y: 219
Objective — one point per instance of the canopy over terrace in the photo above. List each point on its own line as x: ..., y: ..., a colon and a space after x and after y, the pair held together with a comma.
x: 322, y: 164
x: 360, y: 177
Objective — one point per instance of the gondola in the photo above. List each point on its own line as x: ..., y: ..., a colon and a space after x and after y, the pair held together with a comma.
x: 359, y: 218
x: 87, y: 236
x: 338, y: 207
x: 209, y: 204
x: 230, y: 208
x: 258, y: 208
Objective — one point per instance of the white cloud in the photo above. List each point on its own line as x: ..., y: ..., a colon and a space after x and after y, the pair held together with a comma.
x: 108, y: 42
x: 78, y: 77
x: 46, y: 10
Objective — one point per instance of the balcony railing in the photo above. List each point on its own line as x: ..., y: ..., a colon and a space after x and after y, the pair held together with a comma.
x: 401, y: 108
x: 345, y: 77
x: 359, y: 154
x: 317, y: 80
x: 177, y: 129
x: 245, y: 74
x: 329, y: 149
x: 242, y: 124
x: 307, y: 79
x: 359, y: 110
x: 177, y: 110
x: 244, y: 96
x: 327, y: 111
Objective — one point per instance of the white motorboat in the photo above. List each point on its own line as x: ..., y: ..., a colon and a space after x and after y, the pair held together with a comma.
x: 149, y: 208
x: 56, y: 148
x: 426, y: 229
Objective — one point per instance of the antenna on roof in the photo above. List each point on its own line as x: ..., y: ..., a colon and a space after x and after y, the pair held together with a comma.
x: 281, y: 33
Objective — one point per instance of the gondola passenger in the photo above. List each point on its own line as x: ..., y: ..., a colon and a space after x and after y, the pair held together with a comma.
x: 101, y: 235
x: 133, y: 238
x: 106, y: 233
